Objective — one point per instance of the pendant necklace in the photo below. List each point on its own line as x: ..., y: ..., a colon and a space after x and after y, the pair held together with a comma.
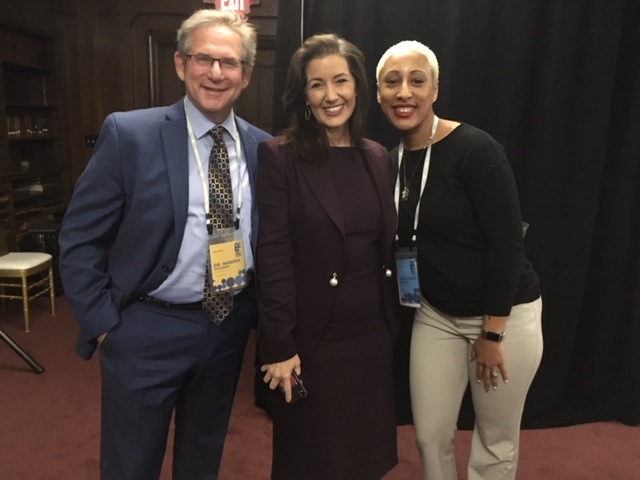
x: 405, y: 190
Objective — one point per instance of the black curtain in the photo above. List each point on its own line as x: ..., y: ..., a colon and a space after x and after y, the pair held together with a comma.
x: 558, y: 84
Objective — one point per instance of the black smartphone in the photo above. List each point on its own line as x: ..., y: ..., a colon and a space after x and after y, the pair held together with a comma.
x: 298, y: 390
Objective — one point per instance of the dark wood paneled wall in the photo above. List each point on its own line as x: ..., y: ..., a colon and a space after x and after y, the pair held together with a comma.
x: 115, y: 55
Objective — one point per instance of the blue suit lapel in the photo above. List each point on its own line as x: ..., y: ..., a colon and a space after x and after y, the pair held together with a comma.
x: 175, y: 142
x: 250, y: 151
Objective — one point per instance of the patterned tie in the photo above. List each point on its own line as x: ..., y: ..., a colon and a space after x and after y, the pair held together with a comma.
x: 218, y: 305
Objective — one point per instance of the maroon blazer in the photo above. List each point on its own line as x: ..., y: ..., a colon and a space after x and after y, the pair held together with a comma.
x: 301, y: 244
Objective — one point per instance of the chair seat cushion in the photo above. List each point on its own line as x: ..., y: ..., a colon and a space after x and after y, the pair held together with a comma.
x: 23, y: 260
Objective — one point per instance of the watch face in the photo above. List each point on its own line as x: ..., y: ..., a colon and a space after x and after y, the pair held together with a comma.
x: 493, y: 336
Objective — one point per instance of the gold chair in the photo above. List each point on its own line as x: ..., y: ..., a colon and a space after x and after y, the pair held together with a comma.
x: 23, y: 265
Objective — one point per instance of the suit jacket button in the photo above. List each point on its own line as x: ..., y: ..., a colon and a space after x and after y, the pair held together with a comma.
x: 334, y: 280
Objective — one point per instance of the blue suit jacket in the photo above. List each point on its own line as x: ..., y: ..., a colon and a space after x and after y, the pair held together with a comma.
x: 123, y: 228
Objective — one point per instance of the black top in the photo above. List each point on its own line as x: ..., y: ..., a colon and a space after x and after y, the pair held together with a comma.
x: 471, y: 258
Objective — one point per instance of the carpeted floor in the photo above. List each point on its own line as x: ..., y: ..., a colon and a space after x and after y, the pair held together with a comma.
x: 50, y: 422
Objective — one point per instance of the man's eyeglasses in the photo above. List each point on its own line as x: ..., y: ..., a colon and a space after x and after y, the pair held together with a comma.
x: 202, y: 61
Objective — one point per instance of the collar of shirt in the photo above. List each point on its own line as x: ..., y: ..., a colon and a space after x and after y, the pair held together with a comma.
x: 202, y: 125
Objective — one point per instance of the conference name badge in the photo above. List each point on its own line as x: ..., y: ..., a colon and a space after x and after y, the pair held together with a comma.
x: 228, y: 270
x: 407, y: 275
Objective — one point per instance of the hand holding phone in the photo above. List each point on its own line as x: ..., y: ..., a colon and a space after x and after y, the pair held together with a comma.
x: 298, y: 390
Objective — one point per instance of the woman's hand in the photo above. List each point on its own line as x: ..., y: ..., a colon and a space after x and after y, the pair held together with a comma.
x: 490, y: 362
x: 279, y: 374
x: 489, y: 355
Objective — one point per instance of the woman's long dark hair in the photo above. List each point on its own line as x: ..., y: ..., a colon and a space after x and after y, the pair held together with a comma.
x: 307, y: 137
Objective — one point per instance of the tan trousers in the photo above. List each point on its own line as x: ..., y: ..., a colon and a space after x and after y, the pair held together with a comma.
x: 439, y: 374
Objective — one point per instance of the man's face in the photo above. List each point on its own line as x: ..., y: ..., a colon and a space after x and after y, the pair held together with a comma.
x: 213, y: 89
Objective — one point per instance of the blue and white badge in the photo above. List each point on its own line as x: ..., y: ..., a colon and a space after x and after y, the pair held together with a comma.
x: 407, y: 274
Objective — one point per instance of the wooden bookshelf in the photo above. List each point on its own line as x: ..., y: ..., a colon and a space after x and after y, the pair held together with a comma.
x: 31, y: 174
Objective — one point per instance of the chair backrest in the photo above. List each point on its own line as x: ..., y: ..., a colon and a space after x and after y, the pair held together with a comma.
x: 4, y: 249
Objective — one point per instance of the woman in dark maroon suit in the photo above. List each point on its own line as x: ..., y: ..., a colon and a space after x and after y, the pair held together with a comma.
x: 327, y: 222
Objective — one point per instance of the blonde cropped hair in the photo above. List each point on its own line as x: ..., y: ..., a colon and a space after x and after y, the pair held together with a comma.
x: 410, y: 46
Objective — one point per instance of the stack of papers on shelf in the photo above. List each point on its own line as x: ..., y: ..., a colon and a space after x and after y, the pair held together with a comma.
x: 30, y: 187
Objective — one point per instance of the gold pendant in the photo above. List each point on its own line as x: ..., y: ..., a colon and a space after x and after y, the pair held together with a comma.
x: 405, y: 194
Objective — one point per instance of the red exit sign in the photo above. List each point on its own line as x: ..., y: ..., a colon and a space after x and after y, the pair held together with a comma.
x: 240, y: 6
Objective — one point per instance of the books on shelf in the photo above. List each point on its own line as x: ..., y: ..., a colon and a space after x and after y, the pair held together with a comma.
x: 13, y: 125
x: 20, y: 48
x: 31, y: 90
x: 27, y: 125
x: 32, y: 187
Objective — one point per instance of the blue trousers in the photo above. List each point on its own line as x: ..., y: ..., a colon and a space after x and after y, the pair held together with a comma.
x: 157, y: 363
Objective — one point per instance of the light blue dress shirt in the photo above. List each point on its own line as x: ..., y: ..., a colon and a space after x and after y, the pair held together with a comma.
x: 185, y: 283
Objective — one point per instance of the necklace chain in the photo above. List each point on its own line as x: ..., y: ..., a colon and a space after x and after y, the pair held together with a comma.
x: 405, y: 190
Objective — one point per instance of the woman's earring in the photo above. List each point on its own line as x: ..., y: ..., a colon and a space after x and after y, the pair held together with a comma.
x: 307, y: 113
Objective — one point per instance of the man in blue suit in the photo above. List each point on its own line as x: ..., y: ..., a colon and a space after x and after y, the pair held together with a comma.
x: 134, y: 254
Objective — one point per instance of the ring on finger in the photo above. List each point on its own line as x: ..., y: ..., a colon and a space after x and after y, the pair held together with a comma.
x: 494, y: 374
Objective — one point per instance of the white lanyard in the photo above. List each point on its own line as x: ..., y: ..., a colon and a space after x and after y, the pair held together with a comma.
x: 204, y: 179
x: 425, y: 173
